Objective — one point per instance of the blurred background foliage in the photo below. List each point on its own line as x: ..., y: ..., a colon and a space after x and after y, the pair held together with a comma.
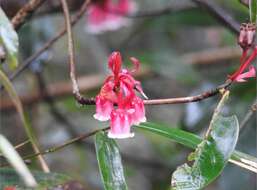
x: 161, y: 44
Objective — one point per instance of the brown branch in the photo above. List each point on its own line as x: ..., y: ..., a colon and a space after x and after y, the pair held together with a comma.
x: 75, y: 87
x: 219, y: 14
x: 67, y: 143
x: 25, y: 12
x: 19, y: 146
x: 188, y: 99
x: 49, y: 43
x: 56, y: 89
x: 64, y: 89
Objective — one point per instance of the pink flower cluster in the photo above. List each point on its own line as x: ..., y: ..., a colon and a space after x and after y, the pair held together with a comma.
x: 108, y: 15
x: 117, y: 100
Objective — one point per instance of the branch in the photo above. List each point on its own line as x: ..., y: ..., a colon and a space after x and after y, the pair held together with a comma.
x: 188, y: 99
x: 90, y: 83
x: 64, y: 89
x: 67, y: 143
x: 219, y: 14
x: 19, y: 146
x: 248, y: 116
x: 75, y: 87
x: 25, y: 12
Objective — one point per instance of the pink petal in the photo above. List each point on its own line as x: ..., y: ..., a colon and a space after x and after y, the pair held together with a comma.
x: 104, y: 108
x: 120, y: 124
x: 114, y: 63
x: 249, y: 74
x: 136, y: 63
x: 107, y: 15
x: 139, y: 115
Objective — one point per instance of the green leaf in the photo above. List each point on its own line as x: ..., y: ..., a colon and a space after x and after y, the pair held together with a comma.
x: 9, y: 177
x: 109, y: 162
x: 253, y: 10
x: 9, y: 40
x: 211, y: 155
x: 185, y: 138
x: 191, y: 140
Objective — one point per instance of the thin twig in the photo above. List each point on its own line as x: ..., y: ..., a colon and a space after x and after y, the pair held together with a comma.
x: 5, y: 104
x: 220, y: 14
x: 188, y: 99
x: 54, y: 92
x: 64, y: 89
x: 67, y: 143
x: 249, y: 115
x: 25, y: 12
x: 75, y: 87
x: 49, y: 43
x: 19, y: 145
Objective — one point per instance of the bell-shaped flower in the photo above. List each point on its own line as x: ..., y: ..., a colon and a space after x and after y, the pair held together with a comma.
x: 120, y: 124
x: 138, y: 115
x: 118, y: 101
x: 104, y: 108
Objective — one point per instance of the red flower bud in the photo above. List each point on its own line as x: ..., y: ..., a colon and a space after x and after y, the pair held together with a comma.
x: 247, y: 35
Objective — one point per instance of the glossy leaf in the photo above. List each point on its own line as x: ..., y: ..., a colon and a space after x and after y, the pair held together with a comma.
x: 9, y: 177
x: 185, y: 138
x: 109, y: 162
x: 212, y: 153
x: 191, y: 140
x: 253, y: 10
x: 210, y: 157
x: 9, y: 40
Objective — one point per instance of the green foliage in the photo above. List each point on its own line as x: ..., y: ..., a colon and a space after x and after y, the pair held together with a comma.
x: 211, y: 155
x: 9, y: 177
x: 9, y: 40
x: 185, y: 138
x: 253, y: 10
x: 109, y: 162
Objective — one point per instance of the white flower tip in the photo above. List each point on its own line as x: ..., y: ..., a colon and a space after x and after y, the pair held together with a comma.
x: 120, y: 136
x: 143, y: 120
x: 100, y: 117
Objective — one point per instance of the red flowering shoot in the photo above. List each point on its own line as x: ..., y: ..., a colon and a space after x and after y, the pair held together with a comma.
x: 246, y: 41
x: 118, y: 101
